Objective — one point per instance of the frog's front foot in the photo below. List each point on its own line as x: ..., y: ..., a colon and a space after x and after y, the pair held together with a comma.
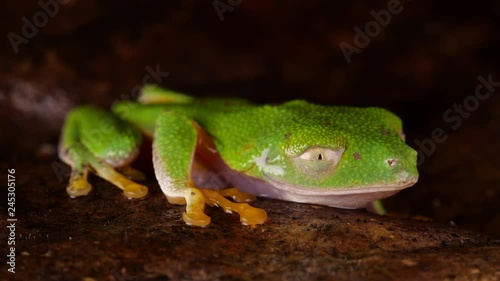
x: 195, y: 200
x: 376, y: 207
x: 195, y: 207
x: 248, y: 214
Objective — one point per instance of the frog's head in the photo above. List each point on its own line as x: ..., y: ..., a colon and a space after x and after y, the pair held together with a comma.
x: 333, y: 161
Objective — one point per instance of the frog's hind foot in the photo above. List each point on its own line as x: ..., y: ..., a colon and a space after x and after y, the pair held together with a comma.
x: 248, y: 214
x: 83, y: 162
x: 78, y: 184
x: 130, y: 188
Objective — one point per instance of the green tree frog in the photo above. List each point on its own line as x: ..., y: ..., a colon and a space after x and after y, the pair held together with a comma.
x: 205, y: 150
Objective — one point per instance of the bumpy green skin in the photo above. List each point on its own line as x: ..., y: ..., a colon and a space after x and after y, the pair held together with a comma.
x: 101, y: 133
x: 242, y: 131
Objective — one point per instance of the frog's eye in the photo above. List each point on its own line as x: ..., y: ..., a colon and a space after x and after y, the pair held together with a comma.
x: 319, y: 161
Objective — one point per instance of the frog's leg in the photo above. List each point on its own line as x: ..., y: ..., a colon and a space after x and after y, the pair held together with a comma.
x: 98, y: 141
x: 132, y: 173
x: 152, y: 93
x: 174, y: 146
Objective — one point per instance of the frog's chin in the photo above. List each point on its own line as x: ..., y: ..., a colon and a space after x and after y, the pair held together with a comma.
x: 348, y: 198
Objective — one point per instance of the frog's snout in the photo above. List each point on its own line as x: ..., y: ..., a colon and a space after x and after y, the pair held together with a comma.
x: 405, y: 178
x: 404, y: 167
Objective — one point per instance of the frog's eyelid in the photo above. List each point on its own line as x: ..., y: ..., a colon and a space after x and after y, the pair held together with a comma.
x: 305, y: 156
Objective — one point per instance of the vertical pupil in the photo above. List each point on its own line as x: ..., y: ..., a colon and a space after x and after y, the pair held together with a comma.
x: 320, y: 157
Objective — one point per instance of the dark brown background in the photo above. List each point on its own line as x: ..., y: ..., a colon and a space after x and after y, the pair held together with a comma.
x: 424, y: 62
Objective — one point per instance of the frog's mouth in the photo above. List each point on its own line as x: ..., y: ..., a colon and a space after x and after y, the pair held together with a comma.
x: 348, y: 197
